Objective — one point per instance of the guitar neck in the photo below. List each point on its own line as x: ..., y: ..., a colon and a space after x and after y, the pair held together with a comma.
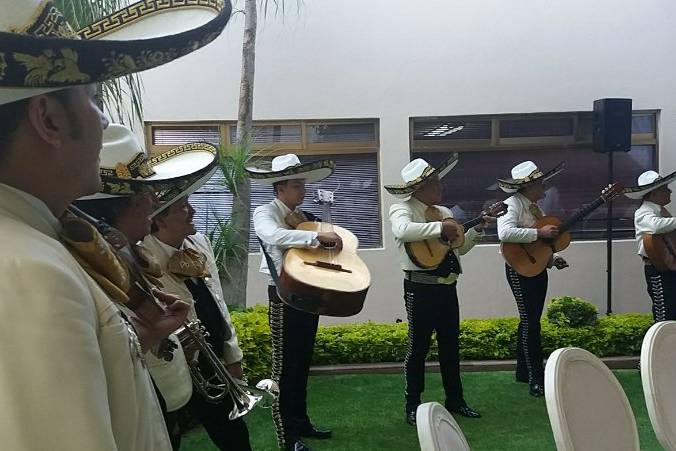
x: 472, y: 222
x: 581, y: 213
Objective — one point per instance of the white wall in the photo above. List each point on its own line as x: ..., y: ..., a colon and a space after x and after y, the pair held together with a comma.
x: 393, y: 59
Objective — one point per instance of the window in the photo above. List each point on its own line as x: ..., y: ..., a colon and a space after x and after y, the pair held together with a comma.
x: 547, y: 140
x: 353, y: 145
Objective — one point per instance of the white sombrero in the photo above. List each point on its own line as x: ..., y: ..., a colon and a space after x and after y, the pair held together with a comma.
x: 126, y: 170
x: 289, y: 167
x: 647, y: 182
x: 40, y: 52
x: 417, y: 172
x: 526, y: 173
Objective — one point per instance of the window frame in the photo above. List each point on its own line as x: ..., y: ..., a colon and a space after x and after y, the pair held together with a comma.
x: 579, y: 141
x: 303, y: 148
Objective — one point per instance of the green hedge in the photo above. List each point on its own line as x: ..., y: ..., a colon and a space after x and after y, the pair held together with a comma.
x: 488, y: 339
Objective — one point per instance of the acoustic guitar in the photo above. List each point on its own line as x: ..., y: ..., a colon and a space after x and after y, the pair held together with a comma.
x: 530, y: 259
x: 323, y: 280
x: 430, y: 253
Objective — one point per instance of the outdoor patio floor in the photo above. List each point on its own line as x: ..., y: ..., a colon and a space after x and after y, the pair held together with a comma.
x: 365, y: 412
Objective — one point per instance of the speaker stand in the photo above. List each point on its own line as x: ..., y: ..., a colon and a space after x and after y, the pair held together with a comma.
x: 609, y: 242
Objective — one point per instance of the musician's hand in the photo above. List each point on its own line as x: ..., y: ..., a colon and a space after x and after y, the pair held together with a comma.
x: 175, y: 314
x: 330, y: 240
x: 485, y: 222
x: 449, y: 230
x: 560, y: 263
x: 235, y: 370
x: 548, y: 231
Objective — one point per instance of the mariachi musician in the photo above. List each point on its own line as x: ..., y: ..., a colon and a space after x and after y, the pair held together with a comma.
x: 652, y: 218
x: 430, y: 294
x: 293, y: 331
x: 135, y: 189
x: 517, y: 226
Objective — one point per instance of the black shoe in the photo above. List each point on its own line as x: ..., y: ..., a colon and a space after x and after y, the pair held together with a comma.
x: 410, y: 417
x: 466, y: 411
x: 309, y: 430
x: 296, y: 445
x: 537, y: 390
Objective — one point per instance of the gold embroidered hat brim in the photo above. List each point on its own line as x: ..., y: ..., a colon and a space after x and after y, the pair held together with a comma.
x: 637, y: 192
x: 169, y: 181
x: 310, y: 172
x: 513, y: 185
x: 49, y: 58
x: 405, y: 190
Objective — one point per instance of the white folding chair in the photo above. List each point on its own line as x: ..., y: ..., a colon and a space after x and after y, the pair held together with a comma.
x: 437, y: 429
x: 658, y: 374
x: 588, y: 410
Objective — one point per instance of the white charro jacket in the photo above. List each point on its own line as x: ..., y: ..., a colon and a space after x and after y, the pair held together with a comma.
x: 648, y: 219
x: 409, y: 224
x: 175, y: 285
x: 277, y: 236
x: 70, y: 376
x: 518, y: 224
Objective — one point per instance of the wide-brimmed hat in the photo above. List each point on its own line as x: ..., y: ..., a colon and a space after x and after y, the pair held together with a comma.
x: 289, y: 167
x: 417, y: 172
x: 40, y: 52
x: 171, y: 175
x: 647, y: 182
x: 526, y: 173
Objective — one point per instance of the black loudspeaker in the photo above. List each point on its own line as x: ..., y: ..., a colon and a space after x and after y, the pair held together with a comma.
x: 612, y: 125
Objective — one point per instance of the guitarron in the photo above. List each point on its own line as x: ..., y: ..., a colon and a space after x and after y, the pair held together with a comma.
x: 530, y: 259
x: 430, y: 253
x: 322, y: 280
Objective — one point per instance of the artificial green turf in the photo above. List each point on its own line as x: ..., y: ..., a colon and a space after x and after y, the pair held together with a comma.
x: 366, y: 412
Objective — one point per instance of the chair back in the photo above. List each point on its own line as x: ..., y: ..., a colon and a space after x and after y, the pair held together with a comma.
x: 658, y: 373
x: 437, y: 429
x: 587, y: 407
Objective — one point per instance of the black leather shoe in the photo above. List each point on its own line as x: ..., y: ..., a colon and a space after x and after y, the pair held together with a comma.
x: 410, y: 417
x: 296, y: 445
x: 466, y: 411
x: 309, y: 430
x: 537, y: 390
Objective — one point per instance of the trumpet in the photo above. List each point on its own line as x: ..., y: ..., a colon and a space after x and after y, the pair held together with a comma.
x: 215, y: 387
x: 192, y: 335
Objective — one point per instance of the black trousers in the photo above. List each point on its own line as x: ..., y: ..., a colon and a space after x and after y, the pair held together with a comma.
x: 662, y: 291
x: 293, y: 339
x: 530, y: 294
x: 225, y: 434
x: 432, y: 308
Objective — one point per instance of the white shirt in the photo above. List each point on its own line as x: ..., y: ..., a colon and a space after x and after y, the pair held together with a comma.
x: 409, y: 224
x: 648, y: 219
x: 518, y: 224
x: 277, y: 236
x: 70, y: 378
x: 175, y: 285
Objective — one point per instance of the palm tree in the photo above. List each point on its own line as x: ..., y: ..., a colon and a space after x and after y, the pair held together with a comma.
x: 233, y: 162
x: 120, y: 97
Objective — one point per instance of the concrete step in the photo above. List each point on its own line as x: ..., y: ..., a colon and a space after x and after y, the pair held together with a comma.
x: 615, y: 363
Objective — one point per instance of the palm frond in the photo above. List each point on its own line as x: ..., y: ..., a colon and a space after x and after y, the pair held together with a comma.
x: 224, y: 241
x: 232, y: 162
